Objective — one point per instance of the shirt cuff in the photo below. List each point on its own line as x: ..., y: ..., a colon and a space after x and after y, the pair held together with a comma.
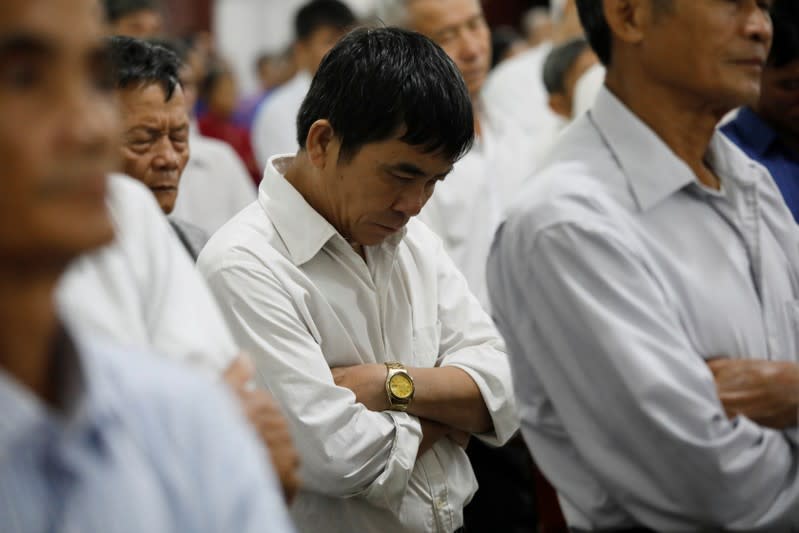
x: 389, y: 489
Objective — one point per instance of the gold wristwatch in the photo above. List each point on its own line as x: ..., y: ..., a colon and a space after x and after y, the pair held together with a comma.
x: 399, y: 386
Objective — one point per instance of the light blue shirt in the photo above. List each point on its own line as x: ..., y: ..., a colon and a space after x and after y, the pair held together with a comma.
x: 613, y: 282
x: 142, y: 446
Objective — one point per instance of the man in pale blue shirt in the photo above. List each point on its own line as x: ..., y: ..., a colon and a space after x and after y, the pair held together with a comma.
x: 93, y: 438
x: 648, y: 256
x: 769, y: 131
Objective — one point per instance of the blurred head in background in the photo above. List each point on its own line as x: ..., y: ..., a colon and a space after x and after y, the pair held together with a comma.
x: 506, y: 43
x: 779, y: 90
x: 458, y: 26
x: 563, y: 68
x: 318, y: 26
x: 58, y: 135
x: 134, y: 18
x: 155, y: 119
x: 537, y: 25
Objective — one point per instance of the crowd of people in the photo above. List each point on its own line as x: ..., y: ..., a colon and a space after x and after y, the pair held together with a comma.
x: 415, y: 284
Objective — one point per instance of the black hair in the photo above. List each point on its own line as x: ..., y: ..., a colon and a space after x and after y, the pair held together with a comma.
x: 785, y: 47
x: 116, y: 9
x: 377, y: 83
x: 558, y: 63
x: 592, y: 17
x: 318, y: 14
x: 176, y: 46
x: 216, y: 72
x: 137, y: 63
x: 502, y: 39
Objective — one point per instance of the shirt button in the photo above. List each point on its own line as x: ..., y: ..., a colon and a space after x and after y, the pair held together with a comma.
x: 440, y: 503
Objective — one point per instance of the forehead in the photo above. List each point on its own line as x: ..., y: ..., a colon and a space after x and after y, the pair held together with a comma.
x: 148, y: 104
x: 431, y: 16
x: 68, y: 25
x: 394, y: 152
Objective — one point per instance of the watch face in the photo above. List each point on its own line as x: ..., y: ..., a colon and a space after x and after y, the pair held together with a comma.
x: 401, y: 386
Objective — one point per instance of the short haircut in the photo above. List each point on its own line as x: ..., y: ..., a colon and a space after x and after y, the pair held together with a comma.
x: 116, y: 9
x: 318, y: 14
x: 558, y: 63
x: 216, y: 72
x: 137, y: 63
x: 592, y: 17
x: 378, y: 83
x: 502, y: 39
x: 785, y: 47
x: 176, y: 46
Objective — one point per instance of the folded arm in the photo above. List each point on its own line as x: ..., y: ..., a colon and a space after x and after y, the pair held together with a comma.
x: 584, y: 312
x: 345, y: 449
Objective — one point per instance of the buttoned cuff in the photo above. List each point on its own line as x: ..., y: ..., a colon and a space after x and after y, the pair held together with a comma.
x: 389, y: 489
x: 496, y: 388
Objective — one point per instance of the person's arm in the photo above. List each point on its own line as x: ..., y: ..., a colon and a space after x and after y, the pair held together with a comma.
x: 235, y: 486
x: 179, y: 314
x: 447, y: 396
x: 269, y: 423
x: 764, y: 391
x: 582, y: 311
x: 346, y: 450
x: 470, y: 388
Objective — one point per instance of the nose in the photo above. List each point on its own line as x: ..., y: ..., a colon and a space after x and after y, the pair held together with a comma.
x: 166, y: 157
x: 758, y: 25
x: 412, y: 201
x: 470, y: 45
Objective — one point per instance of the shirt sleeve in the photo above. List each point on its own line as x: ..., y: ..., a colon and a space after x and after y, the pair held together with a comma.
x: 470, y: 341
x: 578, y: 307
x: 231, y: 470
x: 181, y: 316
x: 346, y: 450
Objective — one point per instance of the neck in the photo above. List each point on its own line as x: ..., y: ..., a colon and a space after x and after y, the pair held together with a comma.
x: 683, y: 124
x: 301, y: 174
x: 28, y: 328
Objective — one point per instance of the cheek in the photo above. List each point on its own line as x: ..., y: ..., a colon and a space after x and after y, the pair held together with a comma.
x: 136, y: 165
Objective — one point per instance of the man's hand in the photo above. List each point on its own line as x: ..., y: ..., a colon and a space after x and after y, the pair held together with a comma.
x: 264, y: 414
x: 766, y: 392
x: 368, y: 382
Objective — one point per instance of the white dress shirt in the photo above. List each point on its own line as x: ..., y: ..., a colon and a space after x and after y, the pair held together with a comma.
x: 617, y: 278
x: 274, y: 130
x: 515, y: 93
x: 469, y: 204
x: 301, y: 300
x: 214, y: 186
x: 141, y: 291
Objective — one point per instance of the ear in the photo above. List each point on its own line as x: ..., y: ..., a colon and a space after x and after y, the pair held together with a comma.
x: 627, y: 19
x: 560, y: 105
x: 322, y: 144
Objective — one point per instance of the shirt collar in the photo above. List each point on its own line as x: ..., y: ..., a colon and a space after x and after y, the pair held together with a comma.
x: 87, y: 398
x: 652, y: 170
x: 303, y: 230
x: 754, y: 131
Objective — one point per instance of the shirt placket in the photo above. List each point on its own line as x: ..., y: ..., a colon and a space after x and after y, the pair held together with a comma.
x: 741, y: 210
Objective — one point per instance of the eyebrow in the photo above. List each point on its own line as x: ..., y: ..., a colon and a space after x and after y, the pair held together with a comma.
x: 454, y: 27
x: 413, y: 170
x: 25, y: 43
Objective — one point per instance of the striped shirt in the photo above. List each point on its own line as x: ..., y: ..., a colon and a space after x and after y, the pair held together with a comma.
x: 138, y: 445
